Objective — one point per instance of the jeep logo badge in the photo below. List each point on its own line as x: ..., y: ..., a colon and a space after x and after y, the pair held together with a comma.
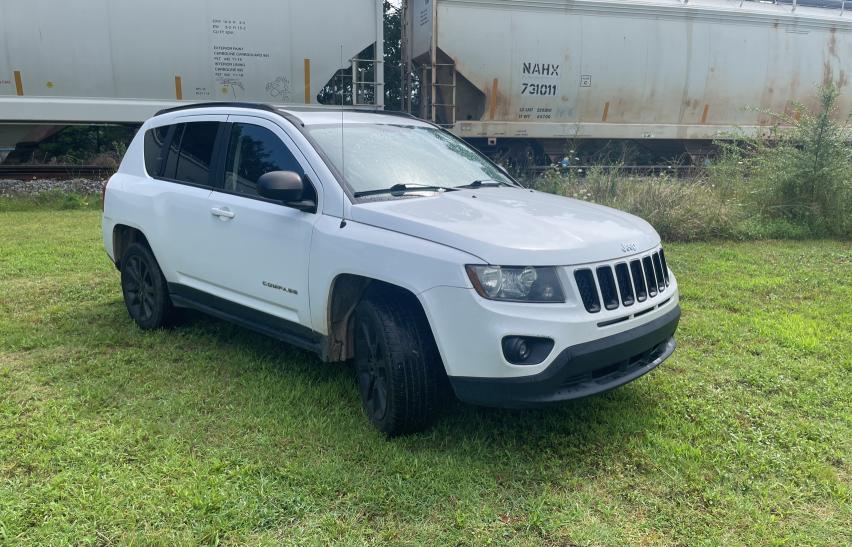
x: 628, y: 247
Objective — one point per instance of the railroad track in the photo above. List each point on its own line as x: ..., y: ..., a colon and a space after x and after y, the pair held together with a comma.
x: 29, y: 172
x: 636, y: 170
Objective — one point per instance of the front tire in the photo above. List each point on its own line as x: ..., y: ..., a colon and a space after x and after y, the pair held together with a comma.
x: 146, y: 294
x: 397, y: 364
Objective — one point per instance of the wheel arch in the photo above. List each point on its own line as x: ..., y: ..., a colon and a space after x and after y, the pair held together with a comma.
x: 345, y: 293
x: 123, y: 236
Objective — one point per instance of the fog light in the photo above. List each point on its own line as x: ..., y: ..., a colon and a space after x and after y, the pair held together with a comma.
x: 526, y: 350
x: 516, y: 349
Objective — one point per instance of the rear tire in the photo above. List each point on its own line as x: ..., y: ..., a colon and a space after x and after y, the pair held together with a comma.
x: 397, y: 365
x: 146, y: 293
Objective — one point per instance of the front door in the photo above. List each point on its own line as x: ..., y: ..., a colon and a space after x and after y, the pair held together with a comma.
x: 262, y: 247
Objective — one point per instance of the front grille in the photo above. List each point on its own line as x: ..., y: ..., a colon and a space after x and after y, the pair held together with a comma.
x: 665, y: 267
x: 638, y: 280
x: 623, y: 284
x: 650, y: 278
x: 607, y: 284
x: 588, y: 290
x: 658, y: 270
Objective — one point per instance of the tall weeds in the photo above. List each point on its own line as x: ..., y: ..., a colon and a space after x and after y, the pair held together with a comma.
x: 797, y: 182
x: 680, y: 210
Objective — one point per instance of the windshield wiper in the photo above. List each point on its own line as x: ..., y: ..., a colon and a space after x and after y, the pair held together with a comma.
x: 400, y: 189
x: 484, y: 182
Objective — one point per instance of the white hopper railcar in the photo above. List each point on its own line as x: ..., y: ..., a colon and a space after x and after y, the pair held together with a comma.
x: 123, y: 60
x: 678, y: 70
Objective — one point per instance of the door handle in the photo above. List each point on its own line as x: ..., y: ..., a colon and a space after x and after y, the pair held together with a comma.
x: 223, y: 214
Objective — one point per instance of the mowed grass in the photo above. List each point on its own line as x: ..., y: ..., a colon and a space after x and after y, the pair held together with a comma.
x: 210, y: 433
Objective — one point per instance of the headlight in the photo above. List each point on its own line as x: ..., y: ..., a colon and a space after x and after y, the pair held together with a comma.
x: 516, y: 283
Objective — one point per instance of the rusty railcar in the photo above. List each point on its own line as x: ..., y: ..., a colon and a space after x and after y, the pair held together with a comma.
x: 688, y: 71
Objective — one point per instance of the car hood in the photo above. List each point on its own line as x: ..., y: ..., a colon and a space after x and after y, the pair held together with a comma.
x: 513, y: 226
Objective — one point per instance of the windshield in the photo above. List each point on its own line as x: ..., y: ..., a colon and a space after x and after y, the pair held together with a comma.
x: 378, y: 156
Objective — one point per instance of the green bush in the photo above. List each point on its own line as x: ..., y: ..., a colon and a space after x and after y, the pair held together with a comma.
x: 102, y: 145
x: 760, y: 227
x: 801, y: 173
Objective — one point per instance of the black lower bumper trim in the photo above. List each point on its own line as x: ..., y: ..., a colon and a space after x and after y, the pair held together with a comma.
x: 581, y: 370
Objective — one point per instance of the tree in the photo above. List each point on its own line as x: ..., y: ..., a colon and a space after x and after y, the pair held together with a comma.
x: 393, y: 56
x: 341, y: 83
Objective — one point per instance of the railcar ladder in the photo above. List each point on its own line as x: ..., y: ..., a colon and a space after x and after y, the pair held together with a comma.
x: 443, y: 95
x: 363, y: 88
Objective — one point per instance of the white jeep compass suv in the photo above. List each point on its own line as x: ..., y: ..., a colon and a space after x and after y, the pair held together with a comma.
x: 384, y: 239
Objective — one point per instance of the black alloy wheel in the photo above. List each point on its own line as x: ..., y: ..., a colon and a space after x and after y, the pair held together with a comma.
x: 139, y: 289
x: 372, y: 371
x: 144, y: 287
x: 399, y: 371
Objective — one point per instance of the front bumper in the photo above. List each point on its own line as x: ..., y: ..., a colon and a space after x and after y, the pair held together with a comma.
x: 579, y: 370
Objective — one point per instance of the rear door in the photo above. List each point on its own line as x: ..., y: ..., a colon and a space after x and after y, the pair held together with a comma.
x: 262, y: 245
x: 181, y: 194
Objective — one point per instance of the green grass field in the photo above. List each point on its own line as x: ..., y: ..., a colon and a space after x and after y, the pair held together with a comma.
x: 210, y: 433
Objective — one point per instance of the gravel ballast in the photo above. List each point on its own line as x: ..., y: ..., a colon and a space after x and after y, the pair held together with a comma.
x: 12, y: 188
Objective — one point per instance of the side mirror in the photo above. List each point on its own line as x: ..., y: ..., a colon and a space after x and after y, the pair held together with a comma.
x: 286, y: 186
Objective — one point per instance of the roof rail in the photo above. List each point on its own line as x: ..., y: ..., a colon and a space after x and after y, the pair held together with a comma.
x: 398, y: 113
x: 292, y: 112
x: 256, y: 106
x: 345, y: 108
x: 279, y: 109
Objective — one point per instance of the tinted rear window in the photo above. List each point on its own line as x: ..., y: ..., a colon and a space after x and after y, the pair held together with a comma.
x: 196, y: 152
x: 190, y: 153
x: 174, y: 150
x: 155, y: 140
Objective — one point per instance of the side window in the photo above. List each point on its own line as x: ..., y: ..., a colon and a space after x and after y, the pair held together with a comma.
x: 155, y: 139
x: 174, y: 150
x: 253, y: 151
x: 191, y: 153
x: 196, y: 153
